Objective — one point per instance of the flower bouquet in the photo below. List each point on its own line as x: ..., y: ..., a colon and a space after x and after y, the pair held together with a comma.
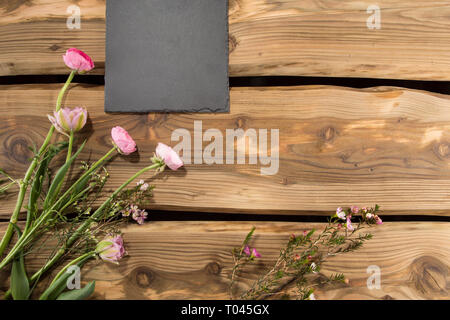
x: 63, y: 208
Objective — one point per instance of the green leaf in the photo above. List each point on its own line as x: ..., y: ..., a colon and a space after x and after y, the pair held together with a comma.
x: 58, y: 285
x: 52, y: 192
x: 79, y: 294
x: 39, y: 177
x: 249, y: 236
x: 20, y: 287
x: 56, y: 288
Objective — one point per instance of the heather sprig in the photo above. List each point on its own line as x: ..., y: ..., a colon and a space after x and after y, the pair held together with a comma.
x: 300, y: 261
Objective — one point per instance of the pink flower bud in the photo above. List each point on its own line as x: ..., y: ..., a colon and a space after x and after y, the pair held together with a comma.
x: 111, y: 249
x: 78, y: 60
x: 123, y: 141
x: 378, y: 220
x: 68, y: 120
x: 349, y: 224
x: 169, y: 156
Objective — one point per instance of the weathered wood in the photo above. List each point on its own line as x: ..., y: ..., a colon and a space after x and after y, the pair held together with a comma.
x: 310, y: 38
x: 192, y: 260
x: 337, y: 147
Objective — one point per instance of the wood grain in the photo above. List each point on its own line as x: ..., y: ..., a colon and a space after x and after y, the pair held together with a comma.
x: 304, y: 38
x: 192, y: 260
x: 337, y: 146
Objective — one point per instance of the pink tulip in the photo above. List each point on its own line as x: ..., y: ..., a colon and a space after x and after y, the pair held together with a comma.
x: 123, y: 141
x: 78, y: 60
x: 111, y: 249
x: 169, y: 156
x: 68, y: 120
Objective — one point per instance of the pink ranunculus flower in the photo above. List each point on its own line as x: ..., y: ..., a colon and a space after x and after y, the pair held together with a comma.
x: 169, y: 156
x: 123, y: 141
x: 111, y: 249
x: 68, y: 120
x: 78, y: 60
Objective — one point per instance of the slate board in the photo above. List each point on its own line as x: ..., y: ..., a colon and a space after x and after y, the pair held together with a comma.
x: 166, y: 56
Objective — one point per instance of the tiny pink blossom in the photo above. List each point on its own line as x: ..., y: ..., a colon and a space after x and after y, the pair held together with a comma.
x: 140, y: 216
x: 169, y: 156
x: 354, y: 209
x: 340, y: 213
x: 111, y: 249
x: 123, y: 141
x: 252, y: 253
x: 369, y: 215
x: 130, y: 210
x: 78, y: 60
x: 305, y: 233
x: 255, y: 253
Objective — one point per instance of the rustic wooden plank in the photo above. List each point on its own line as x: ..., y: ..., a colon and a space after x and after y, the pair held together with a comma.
x: 337, y: 146
x: 309, y: 38
x: 192, y: 260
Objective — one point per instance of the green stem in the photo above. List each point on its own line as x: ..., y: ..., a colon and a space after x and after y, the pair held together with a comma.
x: 69, y: 149
x: 25, y: 182
x: 69, y: 154
x: 25, y: 237
x: 64, y: 89
x: 87, y: 223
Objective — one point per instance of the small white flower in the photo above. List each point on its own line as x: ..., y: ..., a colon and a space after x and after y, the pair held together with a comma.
x: 313, y: 267
x: 140, y: 182
x: 369, y: 216
x: 144, y: 187
x: 311, y: 297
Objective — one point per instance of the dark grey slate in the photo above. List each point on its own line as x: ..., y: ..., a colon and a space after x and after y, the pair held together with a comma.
x: 166, y: 55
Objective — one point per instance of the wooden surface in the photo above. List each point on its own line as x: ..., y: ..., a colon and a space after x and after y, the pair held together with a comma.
x: 337, y: 147
x: 192, y: 260
x: 304, y: 38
